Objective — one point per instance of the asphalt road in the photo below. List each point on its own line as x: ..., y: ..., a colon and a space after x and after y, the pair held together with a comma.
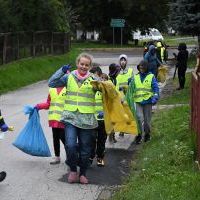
x: 33, y: 178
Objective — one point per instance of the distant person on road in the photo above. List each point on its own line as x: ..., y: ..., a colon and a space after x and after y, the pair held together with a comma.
x: 197, y: 70
x: 145, y: 94
x: 55, y: 104
x: 122, y: 78
x: 78, y: 116
x: 181, y: 64
x: 152, y: 60
x: 100, y: 140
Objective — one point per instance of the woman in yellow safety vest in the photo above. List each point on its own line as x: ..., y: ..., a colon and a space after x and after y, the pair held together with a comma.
x: 78, y: 116
x: 55, y: 104
x: 145, y: 94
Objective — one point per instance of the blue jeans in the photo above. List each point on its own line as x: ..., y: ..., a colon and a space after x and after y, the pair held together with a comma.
x: 79, y: 147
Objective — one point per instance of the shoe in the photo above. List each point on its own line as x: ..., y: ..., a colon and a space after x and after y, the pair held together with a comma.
x: 138, y: 139
x: 55, y: 161
x: 90, y: 161
x: 83, y: 180
x: 112, y: 138
x: 121, y: 135
x: 2, y: 176
x: 100, y: 162
x: 147, y: 137
x: 73, y: 177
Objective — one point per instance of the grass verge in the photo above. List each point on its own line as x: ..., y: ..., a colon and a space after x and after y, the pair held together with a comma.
x: 27, y: 71
x: 165, y: 168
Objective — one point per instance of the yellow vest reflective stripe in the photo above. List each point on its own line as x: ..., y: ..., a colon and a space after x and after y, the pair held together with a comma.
x: 143, y: 89
x: 98, y: 104
x: 122, y: 79
x: 57, y: 104
x: 80, y: 98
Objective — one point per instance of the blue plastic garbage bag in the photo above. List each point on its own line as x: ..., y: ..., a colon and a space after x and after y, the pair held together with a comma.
x: 31, y: 139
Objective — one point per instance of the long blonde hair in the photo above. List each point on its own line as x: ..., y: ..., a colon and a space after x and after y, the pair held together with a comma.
x: 85, y: 55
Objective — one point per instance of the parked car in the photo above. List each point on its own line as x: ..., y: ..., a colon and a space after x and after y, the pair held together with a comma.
x: 152, y: 34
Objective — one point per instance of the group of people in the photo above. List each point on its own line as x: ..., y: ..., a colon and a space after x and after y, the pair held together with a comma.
x: 76, y: 110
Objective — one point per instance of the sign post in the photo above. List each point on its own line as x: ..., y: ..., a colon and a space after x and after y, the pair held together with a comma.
x: 117, y: 23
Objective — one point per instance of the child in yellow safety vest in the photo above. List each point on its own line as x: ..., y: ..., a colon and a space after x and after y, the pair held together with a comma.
x: 122, y: 78
x: 55, y: 105
x: 99, y: 143
x: 78, y: 116
x: 145, y: 94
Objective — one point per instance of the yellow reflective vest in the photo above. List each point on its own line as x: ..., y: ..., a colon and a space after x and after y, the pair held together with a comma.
x: 122, y: 79
x: 143, y: 90
x: 57, y: 104
x: 79, y: 98
x: 98, y: 104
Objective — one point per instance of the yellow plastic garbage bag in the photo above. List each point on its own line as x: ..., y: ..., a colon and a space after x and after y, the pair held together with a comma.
x: 117, y: 115
x: 162, y: 73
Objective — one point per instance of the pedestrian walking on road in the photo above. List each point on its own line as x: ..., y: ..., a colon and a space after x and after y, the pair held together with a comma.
x: 55, y: 104
x: 197, y: 69
x: 114, y: 70
x: 146, y: 94
x: 152, y: 60
x: 78, y: 116
x: 122, y: 78
x: 181, y: 64
x: 100, y: 141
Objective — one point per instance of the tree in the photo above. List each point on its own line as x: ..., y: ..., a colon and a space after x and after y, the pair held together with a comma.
x: 185, y: 17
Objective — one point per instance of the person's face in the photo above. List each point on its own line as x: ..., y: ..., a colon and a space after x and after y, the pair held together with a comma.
x: 123, y: 63
x: 83, y: 65
x: 142, y: 69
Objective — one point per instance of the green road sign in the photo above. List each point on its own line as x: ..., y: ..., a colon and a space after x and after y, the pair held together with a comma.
x: 117, y: 23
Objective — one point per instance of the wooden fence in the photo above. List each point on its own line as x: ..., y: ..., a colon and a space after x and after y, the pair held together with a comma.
x: 14, y: 46
x: 195, y: 110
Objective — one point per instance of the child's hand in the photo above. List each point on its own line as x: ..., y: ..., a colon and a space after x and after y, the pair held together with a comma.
x: 66, y: 68
x: 11, y: 128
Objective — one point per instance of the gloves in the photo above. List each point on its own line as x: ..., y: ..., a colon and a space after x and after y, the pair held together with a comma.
x: 4, y: 128
x: 154, y: 99
x: 100, y: 115
x: 65, y: 68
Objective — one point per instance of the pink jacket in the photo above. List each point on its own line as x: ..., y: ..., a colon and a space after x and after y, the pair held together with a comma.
x: 45, y: 105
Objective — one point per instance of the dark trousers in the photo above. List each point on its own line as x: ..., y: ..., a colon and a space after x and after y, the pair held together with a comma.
x: 181, y: 76
x: 98, y: 147
x: 58, y: 134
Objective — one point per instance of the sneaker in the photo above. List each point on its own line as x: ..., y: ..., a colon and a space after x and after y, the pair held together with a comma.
x: 112, y: 138
x: 83, y: 179
x: 121, y: 135
x: 55, y: 161
x: 2, y: 176
x: 138, y: 139
x: 147, y: 137
x: 73, y: 177
x: 100, y: 162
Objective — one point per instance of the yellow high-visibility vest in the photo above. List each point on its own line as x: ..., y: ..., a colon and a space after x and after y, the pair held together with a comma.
x: 98, y: 104
x: 122, y: 79
x: 143, y: 89
x: 57, y: 104
x: 79, y: 98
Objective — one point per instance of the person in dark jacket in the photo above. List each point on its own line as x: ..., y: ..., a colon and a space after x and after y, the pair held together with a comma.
x: 181, y: 64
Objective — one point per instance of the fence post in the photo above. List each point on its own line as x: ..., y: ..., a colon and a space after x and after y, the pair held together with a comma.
x: 52, y: 52
x: 4, y: 48
x: 33, y: 44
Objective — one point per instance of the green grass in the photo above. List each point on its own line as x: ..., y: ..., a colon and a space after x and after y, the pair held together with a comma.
x: 26, y: 71
x: 165, y: 168
x: 179, y: 96
x: 175, y: 40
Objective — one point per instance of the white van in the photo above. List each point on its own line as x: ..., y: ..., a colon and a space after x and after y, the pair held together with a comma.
x: 153, y: 34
